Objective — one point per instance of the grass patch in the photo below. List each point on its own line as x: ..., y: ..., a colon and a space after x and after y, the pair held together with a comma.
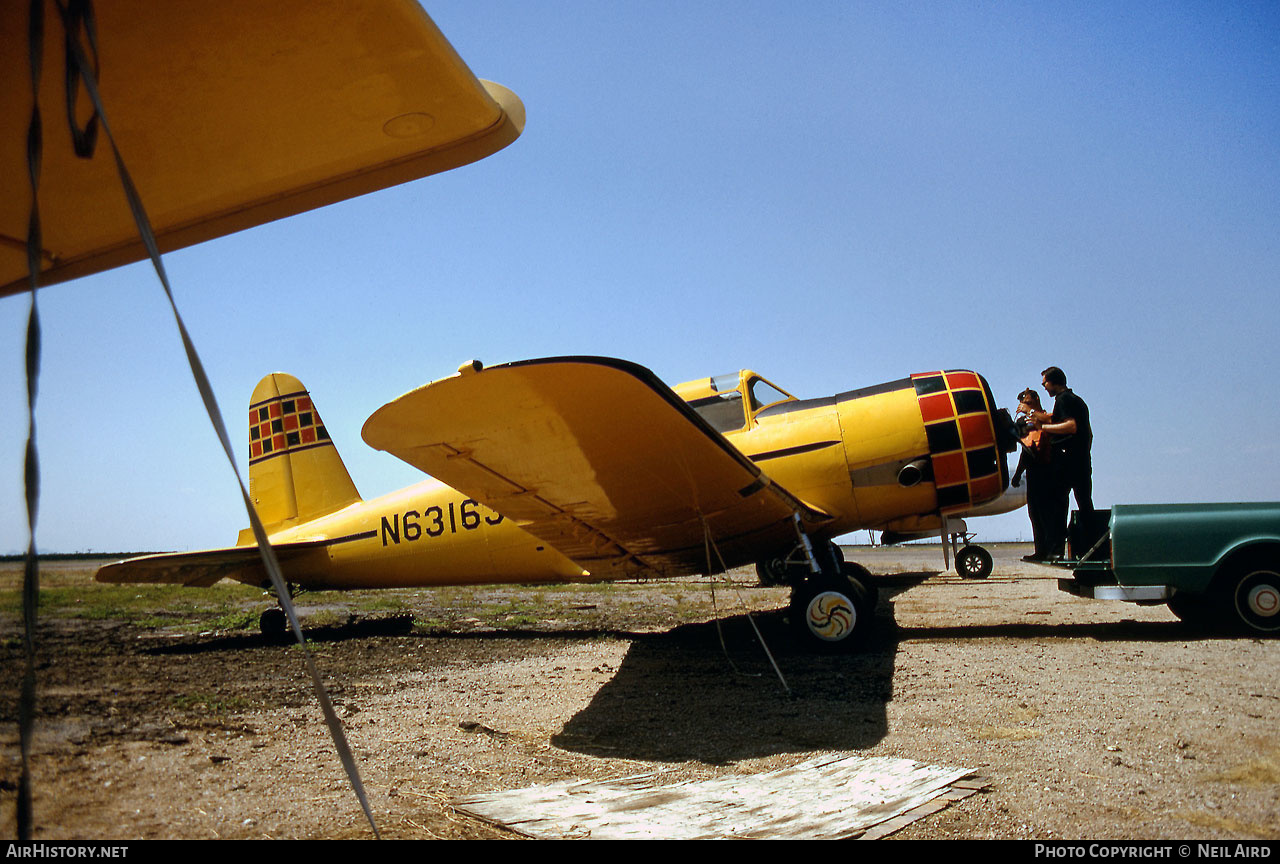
x: 240, y: 619
x: 517, y: 621
x: 386, y: 600
x: 325, y: 618
x: 209, y: 703
x: 96, y: 601
x: 1230, y: 827
x: 1258, y: 772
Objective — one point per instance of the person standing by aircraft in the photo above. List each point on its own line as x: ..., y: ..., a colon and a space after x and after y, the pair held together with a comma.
x: 1034, y: 462
x: 1071, y: 458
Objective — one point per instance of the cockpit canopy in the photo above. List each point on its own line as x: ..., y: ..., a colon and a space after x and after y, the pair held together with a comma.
x: 730, y: 402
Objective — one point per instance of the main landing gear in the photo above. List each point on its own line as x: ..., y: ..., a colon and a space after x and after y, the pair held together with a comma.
x: 833, y: 602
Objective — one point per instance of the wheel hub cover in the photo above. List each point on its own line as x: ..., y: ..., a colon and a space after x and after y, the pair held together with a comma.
x: 831, y: 616
x: 1264, y: 601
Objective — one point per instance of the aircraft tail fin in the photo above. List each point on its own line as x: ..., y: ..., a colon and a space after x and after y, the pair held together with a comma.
x: 295, y: 472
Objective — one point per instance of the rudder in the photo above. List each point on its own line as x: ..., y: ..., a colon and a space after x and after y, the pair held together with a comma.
x: 295, y: 472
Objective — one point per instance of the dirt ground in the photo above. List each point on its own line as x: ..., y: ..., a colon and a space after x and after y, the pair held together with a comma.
x: 1090, y: 719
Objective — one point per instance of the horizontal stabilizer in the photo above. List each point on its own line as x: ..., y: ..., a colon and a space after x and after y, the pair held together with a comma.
x: 203, y: 568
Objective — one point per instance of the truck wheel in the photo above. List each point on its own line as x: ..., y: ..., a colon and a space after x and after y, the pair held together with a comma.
x: 832, y: 613
x: 1255, y: 598
x: 1195, y: 610
x: 973, y: 562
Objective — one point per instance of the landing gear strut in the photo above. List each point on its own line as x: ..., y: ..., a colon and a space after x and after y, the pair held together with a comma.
x: 972, y: 561
x: 832, y: 602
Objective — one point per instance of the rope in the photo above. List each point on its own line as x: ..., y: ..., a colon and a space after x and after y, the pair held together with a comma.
x: 710, y: 544
x: 31, y: 466
x: 76, y: 16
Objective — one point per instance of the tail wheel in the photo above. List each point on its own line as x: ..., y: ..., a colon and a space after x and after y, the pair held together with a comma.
x: 973, y: 562
x: 1256, y: 598
x: 272, y: 622
x: 833, y: 613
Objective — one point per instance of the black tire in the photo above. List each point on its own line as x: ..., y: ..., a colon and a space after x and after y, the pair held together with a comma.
x: 860, y: 578
x: 832, y: 613
x: 1255, y: 597
x: 273, y: 623
x: 837, y: 553
x: 1195, y: 610
x: 973, y: 562
x: 771, y: 572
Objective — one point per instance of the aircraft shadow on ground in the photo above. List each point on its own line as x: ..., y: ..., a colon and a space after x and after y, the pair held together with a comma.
x: 677, y: 696
x: 363, y: 628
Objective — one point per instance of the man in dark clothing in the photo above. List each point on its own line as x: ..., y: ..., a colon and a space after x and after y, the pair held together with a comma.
x: 1041, y: 483
x: 1072, y: 455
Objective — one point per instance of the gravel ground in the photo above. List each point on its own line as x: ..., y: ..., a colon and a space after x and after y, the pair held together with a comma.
x: 1089, y: 719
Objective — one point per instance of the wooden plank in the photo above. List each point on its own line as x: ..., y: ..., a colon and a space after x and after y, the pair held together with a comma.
x: 829, y: 797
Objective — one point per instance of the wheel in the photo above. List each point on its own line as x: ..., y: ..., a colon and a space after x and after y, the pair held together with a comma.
x: 771, y: 571
x: 1194, y: 610
x: 273, y: 623
x: 973, y: 562
x: 837, y: 553
x: 860, y: 577
x: 1255, y: 598
x: 832, y: 613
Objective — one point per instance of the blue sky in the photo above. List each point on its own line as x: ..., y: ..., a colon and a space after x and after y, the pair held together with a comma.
x: 832, y: 194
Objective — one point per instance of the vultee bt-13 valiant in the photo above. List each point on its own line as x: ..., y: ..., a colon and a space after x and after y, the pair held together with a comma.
x: 591, y: 469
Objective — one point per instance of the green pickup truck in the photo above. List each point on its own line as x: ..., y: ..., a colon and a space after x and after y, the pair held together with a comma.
x: 1216, y: 565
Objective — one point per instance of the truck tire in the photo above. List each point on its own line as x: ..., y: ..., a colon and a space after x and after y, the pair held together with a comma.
x: 1196, y: 610
x: 1255, y: 597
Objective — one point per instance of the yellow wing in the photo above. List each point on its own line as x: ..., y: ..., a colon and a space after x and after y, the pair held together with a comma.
x: 598, y: 458
x: 203, y: 568
x: 231, y: 114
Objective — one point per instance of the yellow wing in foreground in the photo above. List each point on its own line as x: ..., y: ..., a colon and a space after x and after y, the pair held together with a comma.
x: 598, y: 458
x: 204, y: 568
x: 231, y: 114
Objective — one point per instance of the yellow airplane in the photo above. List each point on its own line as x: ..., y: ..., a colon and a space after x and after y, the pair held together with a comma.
x: 591, y: 469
